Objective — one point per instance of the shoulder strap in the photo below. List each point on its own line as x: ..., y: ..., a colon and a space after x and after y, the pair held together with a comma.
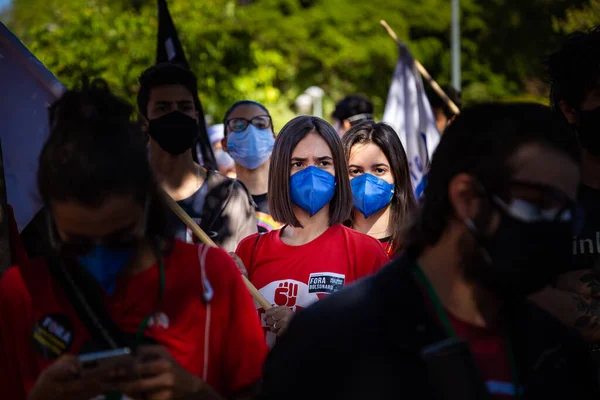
x: 85, y: 297
x: 221, y: 187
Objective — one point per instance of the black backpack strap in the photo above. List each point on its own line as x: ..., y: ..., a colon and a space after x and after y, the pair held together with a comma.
x: 254, y: 249
x: 84, y: 295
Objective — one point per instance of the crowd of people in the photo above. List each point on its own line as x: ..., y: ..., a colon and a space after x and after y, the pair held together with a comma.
x: 486, y: 287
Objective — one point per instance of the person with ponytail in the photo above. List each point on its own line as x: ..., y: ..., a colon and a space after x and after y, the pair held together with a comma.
x: 382, y: 192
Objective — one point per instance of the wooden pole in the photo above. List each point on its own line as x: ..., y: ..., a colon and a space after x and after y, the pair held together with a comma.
x: 434, y: 85
x: 204, y: 238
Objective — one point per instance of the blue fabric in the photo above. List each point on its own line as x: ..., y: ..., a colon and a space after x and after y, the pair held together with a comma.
x: 371, y: 194
x: 311, y: 189
x: 251, y: 147
x: 105, y: 264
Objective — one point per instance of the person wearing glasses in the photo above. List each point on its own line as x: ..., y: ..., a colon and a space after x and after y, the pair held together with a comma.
x: 249, y: 140
x: 220, y: 205
x: 450, y: 317
x: 116, y: 280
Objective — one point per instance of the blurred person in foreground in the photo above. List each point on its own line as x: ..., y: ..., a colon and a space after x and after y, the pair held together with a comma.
x: 226, y: 164
x: 441, y: 111
x: 349, y: 111
x: 380, y: 179
x: 575, y: 96
x: 249, y: 139
x: 221, y: 206
x: 117, y: 278
x: 499, y: 204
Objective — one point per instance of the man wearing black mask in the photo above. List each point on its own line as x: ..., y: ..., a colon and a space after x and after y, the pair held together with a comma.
x: 575, y: 96
x: 499, y: 203
x: 221, y: 206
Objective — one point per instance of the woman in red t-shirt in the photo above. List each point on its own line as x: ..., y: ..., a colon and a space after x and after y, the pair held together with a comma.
x: 380, y: 180
x: 313, y: 254
x: 117, y: 280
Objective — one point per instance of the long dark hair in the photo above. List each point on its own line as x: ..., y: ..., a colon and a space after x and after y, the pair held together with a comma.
x: 95, y: 151
x: 383, y: 136
x: 280, y: 201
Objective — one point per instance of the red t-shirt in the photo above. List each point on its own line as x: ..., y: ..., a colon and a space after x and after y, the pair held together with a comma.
x: 236, y: 340
x: 297, y: 276
x: 488, y: 347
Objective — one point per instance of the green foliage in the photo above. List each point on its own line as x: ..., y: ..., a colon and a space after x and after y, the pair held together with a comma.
x: 580, y: 18
x: 272, y: 50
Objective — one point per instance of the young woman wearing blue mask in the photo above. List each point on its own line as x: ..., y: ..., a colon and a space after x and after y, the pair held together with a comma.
x: 249, y: 140
x: 380, y: 180
x: 116, y: 278
x: 313, y: 255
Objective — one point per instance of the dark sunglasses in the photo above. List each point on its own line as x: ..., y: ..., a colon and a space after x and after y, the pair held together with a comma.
x: 240, y: 124
x: 539, y: 202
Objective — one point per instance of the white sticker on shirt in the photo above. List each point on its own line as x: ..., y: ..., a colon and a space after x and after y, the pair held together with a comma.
x: 325, y: 282
x: 290, y: 293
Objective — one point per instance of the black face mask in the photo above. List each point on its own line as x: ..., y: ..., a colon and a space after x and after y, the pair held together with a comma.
x: 588, y: 128
x: 175, y: 132
x: 521, y: 257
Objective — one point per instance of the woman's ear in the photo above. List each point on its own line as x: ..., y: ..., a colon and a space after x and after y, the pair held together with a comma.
x: 464, y: 196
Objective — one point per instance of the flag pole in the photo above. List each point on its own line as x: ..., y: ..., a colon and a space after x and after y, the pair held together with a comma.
x: 204, y: 238
x: 434, y: 85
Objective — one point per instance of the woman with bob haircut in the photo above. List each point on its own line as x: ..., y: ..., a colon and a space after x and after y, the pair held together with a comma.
x: 380, y: 181
x: 313, y: 255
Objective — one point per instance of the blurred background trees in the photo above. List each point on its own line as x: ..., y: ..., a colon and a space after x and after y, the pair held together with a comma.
x: 272, y: 50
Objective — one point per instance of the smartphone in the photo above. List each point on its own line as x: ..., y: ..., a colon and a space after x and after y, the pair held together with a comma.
x: 104, y: 361
x: 452, y: 371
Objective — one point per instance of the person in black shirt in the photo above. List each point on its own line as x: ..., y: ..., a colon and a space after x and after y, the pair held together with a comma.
x: 221, y: 206
x: 575, y: 96
x: 499, y: 203
x: 249, y: 140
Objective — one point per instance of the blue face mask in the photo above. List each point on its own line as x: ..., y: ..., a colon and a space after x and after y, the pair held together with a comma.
x: 371, y: 194
x: 311, y: 189
x: 105, y: 265
x: 251, y: 147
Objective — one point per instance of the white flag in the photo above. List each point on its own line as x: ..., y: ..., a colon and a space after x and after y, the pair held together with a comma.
x: 408, y: 110
x: 28, y: 88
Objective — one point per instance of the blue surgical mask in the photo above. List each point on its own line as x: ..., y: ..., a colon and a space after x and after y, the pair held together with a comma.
x: 105, y: 265
x: 311, y: 189
x: 251, y: 147
x: 371, y: 194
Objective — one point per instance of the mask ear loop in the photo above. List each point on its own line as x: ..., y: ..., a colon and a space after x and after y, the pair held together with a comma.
x: 207, y: 295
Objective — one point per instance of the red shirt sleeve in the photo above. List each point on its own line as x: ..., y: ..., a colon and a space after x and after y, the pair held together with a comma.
x: 12, y: 300
x: 246, y: 347
x: 18, y: 255
x: 245, y: 249
x: 372, y: 257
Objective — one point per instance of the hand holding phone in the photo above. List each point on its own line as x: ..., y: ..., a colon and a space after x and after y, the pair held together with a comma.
x: 101, y: 363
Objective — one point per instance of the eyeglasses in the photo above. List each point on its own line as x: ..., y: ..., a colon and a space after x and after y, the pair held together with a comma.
x: 122, y: 239
x: 532, y: 202
x: 240, y: 124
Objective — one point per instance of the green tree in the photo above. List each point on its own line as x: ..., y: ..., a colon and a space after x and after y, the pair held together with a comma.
x: 582, y: 18
x: 272, y: 50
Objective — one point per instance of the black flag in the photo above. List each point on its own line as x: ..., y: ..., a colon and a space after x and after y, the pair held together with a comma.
x: 169, y: 49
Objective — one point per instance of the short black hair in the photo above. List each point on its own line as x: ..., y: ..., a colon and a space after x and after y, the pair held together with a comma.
x: 574, y: 69
x: 351, y: 106
x: 437, y: 103
x: 481, y: 142
x: 94, y: 151
x: 165, y: 74
x: 280, y: 199
x: 244, y: 103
